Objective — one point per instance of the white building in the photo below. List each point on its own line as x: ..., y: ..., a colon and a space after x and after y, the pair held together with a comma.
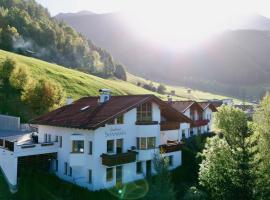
x: 201, y: 115
x: 97, y: 142
x: 208, y: 110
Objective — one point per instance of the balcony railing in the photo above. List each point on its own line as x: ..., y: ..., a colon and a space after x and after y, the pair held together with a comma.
x: 168, y: 148
x: 198, y: 123
x: 165, y: 126
x: 146, y: 122
x: 118, y: 159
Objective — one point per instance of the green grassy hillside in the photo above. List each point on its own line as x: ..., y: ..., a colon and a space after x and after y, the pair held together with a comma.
x: 180, y: 92
x: 78, y: 84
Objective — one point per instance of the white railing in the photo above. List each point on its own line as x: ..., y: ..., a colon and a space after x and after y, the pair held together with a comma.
x: 36, y: 148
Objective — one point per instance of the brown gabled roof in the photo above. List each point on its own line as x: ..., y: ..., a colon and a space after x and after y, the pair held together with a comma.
x: 182, y: 106
x: 88, y: 113
x: 205, y: 105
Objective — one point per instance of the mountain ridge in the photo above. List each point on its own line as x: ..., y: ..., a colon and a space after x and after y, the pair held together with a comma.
x: 234, y: 60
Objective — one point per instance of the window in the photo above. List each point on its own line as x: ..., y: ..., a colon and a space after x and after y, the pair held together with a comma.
x: 109, y: 174
x: 183, y: 133
x: 110, y: 146
x: 143, y: 143
x: 1, y: 142
x: 144, y: 112
x: 49, y: 137
x: 120, y: 119
x: 89, y: 176
x: 138, y: 143
x: 60, y: 137
x: 90, y: 147
x: 56, y: 165
x: 56, y: 138
x: 146, y: 143
x: 151, y: 143
x: 119, y: 145
x: 65, y: 170
x: 112, y: 121
x: 70, y: 171
x: 191, y: 132
x: 139, y: 167
x: 45, y: 137
x: 170, y: 160
x: 77, y: 146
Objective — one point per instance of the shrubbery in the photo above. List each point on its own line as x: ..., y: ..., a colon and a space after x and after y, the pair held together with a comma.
x: 18, y: 87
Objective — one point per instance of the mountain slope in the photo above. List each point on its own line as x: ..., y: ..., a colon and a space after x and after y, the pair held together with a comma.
x: 27, y: 28
x: 78, y: 84
x: 234, y: 62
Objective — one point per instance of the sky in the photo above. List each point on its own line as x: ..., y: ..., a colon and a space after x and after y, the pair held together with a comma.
x: 169, y: 22
x: 101, y: 6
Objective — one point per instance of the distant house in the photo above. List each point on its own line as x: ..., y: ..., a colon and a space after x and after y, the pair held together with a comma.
x: 220, y: 102
x: 201, y: 115
x: 98, y: 142
x: 247, y: 108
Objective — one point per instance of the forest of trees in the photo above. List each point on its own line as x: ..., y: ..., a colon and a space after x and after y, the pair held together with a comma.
x: 22, y: 94
x: 27, y: 28
x: 232, y: 164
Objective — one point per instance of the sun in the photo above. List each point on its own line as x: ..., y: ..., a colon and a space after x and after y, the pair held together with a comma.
x: 179, y: 24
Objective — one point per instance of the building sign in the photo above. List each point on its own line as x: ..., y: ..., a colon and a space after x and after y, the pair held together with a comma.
x: 114, y: 132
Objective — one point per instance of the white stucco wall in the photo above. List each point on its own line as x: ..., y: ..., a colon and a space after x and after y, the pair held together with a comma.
x: 8, y: 164
x: 128, y: 131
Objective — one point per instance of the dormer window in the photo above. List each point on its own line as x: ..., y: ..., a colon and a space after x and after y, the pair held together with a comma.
x: 118, y: 120
x: 144, y: 112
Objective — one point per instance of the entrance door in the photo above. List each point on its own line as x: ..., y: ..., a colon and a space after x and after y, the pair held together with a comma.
x: 119, y: 175
x: 148, y: 168
x: 119, y: 146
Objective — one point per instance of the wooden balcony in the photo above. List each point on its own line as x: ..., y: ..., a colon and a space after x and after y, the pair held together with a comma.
x: 165, y: 126
x: 198, y: 123
x: 146, y: 122
x: 168, y: 148
x: 118, y: 159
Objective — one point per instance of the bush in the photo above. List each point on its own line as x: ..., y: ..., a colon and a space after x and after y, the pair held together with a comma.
x: 195, y: 194
x: 120, y: 72
x: 44, y: 96
x: 161, y: 89
x: 20, y: 77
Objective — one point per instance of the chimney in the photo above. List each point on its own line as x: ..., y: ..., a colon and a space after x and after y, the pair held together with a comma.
x: 105, y: 95
x: 69, y: 101
x: 169, y: 99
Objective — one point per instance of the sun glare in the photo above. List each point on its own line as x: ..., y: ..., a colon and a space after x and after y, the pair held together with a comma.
x: 180, y: 24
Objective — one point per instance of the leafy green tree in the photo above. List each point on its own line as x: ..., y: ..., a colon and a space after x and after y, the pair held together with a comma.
x: 262, y: 133
x: 6, y: 68
x: 120, y: 72
x: 235, y: 154
x: 161, y: 187
x: 44, y: 96
x: 20, y: 77
x: 195, y: 194
x: 217, y: 169
x: 161, y: 89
